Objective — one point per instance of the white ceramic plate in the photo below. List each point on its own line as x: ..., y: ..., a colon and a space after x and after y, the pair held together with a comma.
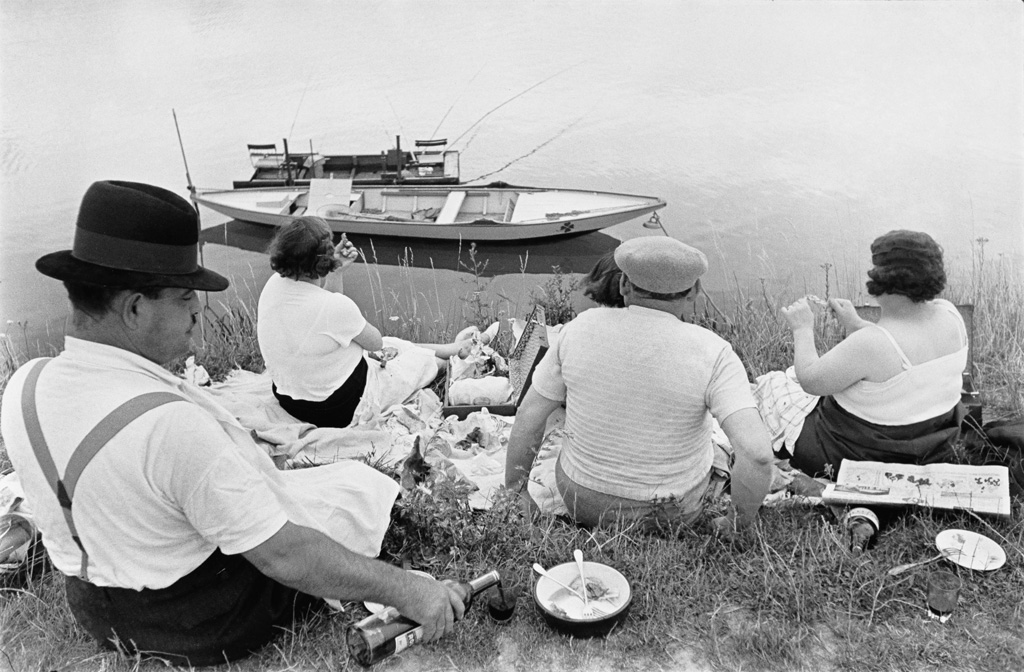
x: 975, y: 551
x: 375, y: 608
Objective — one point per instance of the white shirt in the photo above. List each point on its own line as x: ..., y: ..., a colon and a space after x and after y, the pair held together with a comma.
x: 305, y: 335
x: 160, y: 496
x: 640, y: 388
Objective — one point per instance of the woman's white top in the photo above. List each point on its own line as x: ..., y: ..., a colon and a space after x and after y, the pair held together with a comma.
x: 305, y: 334
x: 919, y: 392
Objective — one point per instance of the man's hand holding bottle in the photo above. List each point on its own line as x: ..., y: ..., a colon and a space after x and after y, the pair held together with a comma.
x: 435, y: 605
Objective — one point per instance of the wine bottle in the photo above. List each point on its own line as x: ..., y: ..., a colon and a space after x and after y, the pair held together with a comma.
x: 862, y: 525
x: 386, y: 633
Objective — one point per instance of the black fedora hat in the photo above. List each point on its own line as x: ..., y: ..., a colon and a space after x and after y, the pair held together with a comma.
x: 133, y: 235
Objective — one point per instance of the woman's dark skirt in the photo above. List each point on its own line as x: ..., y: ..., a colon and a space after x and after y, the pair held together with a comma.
x: 832, y: 434
x: 334, y: 411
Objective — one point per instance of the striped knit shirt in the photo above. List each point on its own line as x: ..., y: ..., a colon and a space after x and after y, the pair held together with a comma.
x: 640, y: 388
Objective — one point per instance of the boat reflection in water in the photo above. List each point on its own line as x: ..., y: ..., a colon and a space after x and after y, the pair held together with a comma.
x: 571, y: 254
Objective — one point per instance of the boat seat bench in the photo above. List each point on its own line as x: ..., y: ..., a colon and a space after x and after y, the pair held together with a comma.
x: 328, y: 193
x: 451, y: 208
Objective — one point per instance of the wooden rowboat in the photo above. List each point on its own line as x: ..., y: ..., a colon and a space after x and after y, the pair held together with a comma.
x: 439, y: 212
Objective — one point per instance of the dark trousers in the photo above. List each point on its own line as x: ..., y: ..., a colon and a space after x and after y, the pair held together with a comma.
x: 334, y: 411
x: 221, y: 611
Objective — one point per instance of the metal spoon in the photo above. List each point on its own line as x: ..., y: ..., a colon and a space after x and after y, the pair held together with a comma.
x: 899, y: 569
x: 543, y: 572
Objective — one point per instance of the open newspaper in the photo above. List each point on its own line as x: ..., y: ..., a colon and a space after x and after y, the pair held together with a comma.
x: 941, y: 486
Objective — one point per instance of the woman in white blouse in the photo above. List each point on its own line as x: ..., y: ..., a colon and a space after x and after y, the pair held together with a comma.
x: 316, y: 342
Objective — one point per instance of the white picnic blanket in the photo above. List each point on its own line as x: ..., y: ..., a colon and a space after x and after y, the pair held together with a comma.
x: 472, y: 449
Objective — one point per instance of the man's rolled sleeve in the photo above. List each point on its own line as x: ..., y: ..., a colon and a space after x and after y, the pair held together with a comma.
x: 729, y: 389
x: 547, y: 376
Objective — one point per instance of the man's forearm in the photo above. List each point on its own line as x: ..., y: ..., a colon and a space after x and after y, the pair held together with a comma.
x: 752, y: 470
x: 750, y: 484
x: 311, y: 562
x: 523, y: 444
x: 525, y: 438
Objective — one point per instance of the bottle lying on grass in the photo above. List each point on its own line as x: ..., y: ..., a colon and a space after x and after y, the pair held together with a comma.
x: 862, y: 525
x: 386, y: 633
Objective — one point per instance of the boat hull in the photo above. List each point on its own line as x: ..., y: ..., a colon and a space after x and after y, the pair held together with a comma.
x: 283, y: 205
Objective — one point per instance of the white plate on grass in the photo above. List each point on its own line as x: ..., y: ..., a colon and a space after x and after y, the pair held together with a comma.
x: 376, y: 608
x: 973, y: 550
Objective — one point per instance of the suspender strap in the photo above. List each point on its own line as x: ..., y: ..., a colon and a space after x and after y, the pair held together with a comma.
x: 98, y: 437
x: 35, y: 432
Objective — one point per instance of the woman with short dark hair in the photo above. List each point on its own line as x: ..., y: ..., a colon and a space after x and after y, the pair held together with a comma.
x: 890, y: 391
x: 601, y: 284
x: 315, y: 340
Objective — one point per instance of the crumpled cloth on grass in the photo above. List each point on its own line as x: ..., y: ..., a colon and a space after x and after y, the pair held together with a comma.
x: 783, y: 406
x: 249, y: 398
x: 411, y: 370
x: 17, y: 529
x: 473, y: 450
x: 470, y: 450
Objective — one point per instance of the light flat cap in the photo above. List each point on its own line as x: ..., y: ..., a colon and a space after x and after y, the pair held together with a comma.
x: 660, y: 264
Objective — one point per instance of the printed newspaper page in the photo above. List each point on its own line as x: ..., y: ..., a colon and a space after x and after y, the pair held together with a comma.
x: 941, y: 486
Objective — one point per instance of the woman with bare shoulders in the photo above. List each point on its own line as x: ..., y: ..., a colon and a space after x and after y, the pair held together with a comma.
x: 890, y: 391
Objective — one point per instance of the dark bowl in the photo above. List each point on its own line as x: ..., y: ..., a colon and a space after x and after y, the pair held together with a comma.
x: 563, y: 611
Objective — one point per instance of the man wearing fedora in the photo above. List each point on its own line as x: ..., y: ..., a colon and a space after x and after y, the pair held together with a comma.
x: 640, y: 387
x: 176, y: 535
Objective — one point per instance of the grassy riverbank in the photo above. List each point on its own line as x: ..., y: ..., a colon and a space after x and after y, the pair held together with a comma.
x: 789, y: 596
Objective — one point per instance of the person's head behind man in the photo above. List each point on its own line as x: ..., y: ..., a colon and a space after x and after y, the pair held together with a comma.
x: 659, y: 272
x: 133, y: 272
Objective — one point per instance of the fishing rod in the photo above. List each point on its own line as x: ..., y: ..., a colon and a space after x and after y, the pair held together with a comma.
x: 398, y: 119
x: 532, y: 151
x: 655, y: 223
x: 452, y: 107
x: 191, y: 189
x: 498, y: 107
x: 192, y: 194
x: 298, y: 108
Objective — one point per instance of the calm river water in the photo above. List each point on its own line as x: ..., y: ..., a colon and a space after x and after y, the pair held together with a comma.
x: 783, y: 135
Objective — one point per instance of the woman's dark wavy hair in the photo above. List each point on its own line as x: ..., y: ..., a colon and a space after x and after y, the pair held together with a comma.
x: 303, y: 248
x: 907, y: 263
x: 601, y: 285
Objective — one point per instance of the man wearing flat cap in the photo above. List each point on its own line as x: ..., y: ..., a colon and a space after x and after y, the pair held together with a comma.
x: 640, y: 387
x: 176, y: 535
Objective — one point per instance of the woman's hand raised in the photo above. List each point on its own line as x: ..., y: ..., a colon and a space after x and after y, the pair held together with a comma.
x: 799, y: 315
x: 345, y: 252
x: 846, y: 314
